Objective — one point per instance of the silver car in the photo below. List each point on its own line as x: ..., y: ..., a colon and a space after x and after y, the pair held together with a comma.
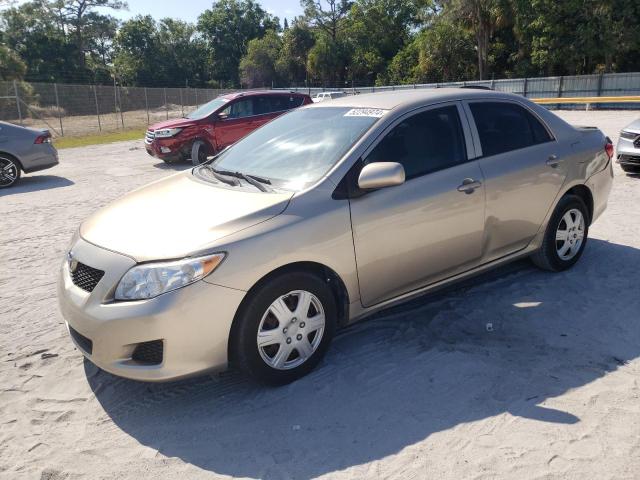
x: 23, y: 150
x: 320, y: 218
x: 628, y: 148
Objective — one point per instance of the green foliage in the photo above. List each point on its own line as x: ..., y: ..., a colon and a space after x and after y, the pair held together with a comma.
x: 228, y: 27
x: 336, y: 43
x: 258, y: 66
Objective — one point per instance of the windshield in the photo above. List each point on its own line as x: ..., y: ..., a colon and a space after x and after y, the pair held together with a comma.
x: 208, y: 108
x: 299, y: 147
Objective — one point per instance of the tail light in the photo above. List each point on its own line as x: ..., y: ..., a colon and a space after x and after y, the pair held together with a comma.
x: 608, y: 148
x: 44, y: 138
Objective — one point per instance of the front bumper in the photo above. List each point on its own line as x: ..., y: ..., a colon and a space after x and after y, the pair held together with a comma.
x: 193, y: 322
x: 165, y: 149
x: 627, y: 153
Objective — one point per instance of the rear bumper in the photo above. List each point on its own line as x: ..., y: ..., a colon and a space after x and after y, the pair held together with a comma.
x: 600, y: 185
x: 45, y: 156
x: 192, y: 323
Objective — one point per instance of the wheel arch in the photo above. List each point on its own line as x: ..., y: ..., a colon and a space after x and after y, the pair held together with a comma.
x: 585, y: 194
x: 336, y: 284
x: 14, y: 158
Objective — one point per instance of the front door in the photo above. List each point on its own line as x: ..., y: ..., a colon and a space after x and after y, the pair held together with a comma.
x: 429, y: 228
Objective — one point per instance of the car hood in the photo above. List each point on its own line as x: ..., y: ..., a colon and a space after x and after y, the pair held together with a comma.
x: 633, y: 126
x: 178, y: 216
x: 175, y: 123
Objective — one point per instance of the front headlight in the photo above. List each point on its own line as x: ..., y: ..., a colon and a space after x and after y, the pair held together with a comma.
x: 167, y: 132
x: 149, y: 280
x: 629, y: 135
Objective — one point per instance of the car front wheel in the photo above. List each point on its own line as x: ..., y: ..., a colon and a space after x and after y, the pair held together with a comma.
x: 198, y: 152
x: 9, y: 171
x: 285, y: 328
x: 565, y: 237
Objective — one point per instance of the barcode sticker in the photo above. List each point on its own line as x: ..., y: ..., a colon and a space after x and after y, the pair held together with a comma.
x: 366, y: 112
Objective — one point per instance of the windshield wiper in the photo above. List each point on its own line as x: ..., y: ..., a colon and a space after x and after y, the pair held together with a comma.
x: 221, y: 175
x: 254, y: 180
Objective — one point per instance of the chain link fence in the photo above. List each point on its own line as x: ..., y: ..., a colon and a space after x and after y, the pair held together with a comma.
x: 78, y: 110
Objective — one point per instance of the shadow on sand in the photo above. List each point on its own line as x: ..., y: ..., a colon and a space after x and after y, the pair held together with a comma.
x: 34, y: 183
x: 392, y: 381
x: 178, y: 167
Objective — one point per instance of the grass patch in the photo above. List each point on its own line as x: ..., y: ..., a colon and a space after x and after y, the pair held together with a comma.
x: 69, y: 142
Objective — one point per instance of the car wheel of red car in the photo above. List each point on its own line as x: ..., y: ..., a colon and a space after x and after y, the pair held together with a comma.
x: 198, y: 152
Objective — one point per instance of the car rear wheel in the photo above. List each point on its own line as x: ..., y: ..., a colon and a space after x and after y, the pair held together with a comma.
x: 285, y: 328
x: 9, y: 171
x: 198, y: 152
x: 565, y: 237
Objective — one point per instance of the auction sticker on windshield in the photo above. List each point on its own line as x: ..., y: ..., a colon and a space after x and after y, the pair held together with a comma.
x: 366, y: 112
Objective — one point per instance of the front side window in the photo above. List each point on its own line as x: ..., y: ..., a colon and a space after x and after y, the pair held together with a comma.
x: 424, y: 143
x: 297, y: 148
x: 504, y: 127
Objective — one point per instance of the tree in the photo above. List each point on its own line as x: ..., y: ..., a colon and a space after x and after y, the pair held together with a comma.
x: 377, y: 30
x: 258, y: 66
x: 329, y: 18
x: 482, y: 17
x: 11, y: 65
x: 227, y: 28
x: 81, y: 17
x: 297, y: 40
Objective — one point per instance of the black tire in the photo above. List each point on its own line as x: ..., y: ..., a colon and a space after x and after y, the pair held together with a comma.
x: 244, y: 348
x: 10, y: 171
x: 547, y: 258
x: 199, y: 152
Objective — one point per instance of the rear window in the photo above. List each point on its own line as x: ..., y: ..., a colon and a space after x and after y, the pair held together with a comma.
x: 504, y: 127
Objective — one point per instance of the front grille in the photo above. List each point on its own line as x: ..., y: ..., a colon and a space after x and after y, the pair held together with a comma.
x: 83, y: 342
x: 149, y: 137
x: 635, y: 159
x: 149, y: 353
x: 86, y: 277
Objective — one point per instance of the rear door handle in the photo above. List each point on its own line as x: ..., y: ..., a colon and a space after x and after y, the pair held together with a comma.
x: 553, y: 160
x: 469, y: 185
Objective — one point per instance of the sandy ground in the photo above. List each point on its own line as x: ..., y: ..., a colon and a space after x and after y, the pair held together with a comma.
x: 420, y: 391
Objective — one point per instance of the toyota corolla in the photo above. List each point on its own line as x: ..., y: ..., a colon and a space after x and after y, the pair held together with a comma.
x: 320, y: 218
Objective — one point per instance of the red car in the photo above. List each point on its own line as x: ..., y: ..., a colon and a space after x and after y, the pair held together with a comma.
x: 218, y: 124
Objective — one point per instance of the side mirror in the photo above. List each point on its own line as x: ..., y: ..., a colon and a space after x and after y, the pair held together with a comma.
x: 223, y: 116
x: 380, y: 175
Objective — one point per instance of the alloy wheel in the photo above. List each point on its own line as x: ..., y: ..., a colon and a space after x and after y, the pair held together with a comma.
x: 570, y: 234
x: 291, y: 330
x: 8, y: 172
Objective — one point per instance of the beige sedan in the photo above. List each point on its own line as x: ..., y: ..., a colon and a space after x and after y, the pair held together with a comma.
x: 320, y: 218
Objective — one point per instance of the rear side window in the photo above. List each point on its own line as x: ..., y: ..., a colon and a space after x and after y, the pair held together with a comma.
x: 276, y: 103
x: 426, y: 142
x: 504, y: 127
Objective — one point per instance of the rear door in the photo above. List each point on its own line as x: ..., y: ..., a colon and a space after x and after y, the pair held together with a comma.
x: 523, y: 170
x: 430, y: 227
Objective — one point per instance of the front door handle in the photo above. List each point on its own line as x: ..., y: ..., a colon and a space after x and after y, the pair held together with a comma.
x: 553, y: 160
x: 469, y: 185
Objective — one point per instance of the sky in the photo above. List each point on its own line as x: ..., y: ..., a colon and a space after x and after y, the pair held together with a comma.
x: 190, y: 9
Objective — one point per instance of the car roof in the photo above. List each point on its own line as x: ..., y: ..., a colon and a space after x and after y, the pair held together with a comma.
x: 252, y: 93
x: 409, y: 97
